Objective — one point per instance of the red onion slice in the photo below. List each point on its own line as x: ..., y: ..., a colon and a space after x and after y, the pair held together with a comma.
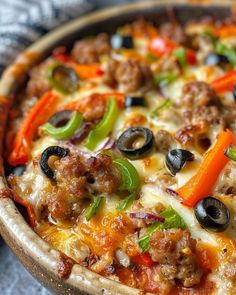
x: 147, y: 216
x: 106, y: 144
x: 81, y: 133
x: 172, y: 192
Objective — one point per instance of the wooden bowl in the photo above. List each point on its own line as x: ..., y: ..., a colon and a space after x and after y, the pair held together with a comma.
x: 36, y: 255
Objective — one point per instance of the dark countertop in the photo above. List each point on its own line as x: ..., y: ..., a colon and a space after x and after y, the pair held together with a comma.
x: 14, y: 278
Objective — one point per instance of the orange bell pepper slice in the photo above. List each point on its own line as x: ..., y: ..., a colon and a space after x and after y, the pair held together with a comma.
x: 201, y: 184
x: 159, y: 46
x: 225, y: 82
x: 38, y: 115
x: 87, y: 71
x: 225, y: 31
x: 84, y: 71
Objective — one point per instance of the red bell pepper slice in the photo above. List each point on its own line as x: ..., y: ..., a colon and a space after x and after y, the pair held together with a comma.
x: 159, y: 46
x: 143, y: 259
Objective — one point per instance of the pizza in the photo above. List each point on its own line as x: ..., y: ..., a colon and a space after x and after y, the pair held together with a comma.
x: 121, y: 152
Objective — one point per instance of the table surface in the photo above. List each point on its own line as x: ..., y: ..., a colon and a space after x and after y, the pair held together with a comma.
x: 14, y: 278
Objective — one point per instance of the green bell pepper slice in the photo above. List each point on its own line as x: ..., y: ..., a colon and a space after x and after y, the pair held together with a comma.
x: 92, y: 209
x: 164, y: 79
x: 67, y: 130
x: 130, y: 176
x: 124, y: 204
x: 180, y: 54
x: 105, y: 126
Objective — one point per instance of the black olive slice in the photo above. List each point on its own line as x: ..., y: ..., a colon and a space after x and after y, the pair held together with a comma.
x: 119, y: 41
x: 234, y: 92
x: 47, y: 153
x: 129, y: 142
x: 214, y: 59
x: 132, y: 101
x: 212, y: 214
x: 63, y: 78
x: 60, y: 118
x: 175, y: 159
x: 19, y: 170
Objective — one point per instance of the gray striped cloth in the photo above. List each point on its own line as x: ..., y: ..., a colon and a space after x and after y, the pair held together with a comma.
x: 24, y: 21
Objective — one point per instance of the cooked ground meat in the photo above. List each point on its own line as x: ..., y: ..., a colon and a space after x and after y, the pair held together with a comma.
x: 81, y: 176
x: 77, y: 179
x: 93, y: 107
x: 197, y: 93
x: 63, y: 206
x: 87, y: 51
x: 188, y: 133
x: 229, y: 113
x: 38, y: 83
x: 130, y: 75
x: 207, y: 114
x: 201, y: 123
x: 106, y: 177
x: 174, y: 32
x: 226, y: 183
x: 174, y: 251
x: 164, y: 141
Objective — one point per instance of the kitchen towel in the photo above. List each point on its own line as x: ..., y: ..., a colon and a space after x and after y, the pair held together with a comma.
x: 24, y: 21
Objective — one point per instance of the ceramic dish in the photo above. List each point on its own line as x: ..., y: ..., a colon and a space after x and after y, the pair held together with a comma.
x: 36, y: 255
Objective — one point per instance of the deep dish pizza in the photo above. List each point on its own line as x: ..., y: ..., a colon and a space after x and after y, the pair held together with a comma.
x: 123, y: 153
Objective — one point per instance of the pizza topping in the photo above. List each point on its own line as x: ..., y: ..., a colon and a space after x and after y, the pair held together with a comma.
x: 212, y: 214
x: 88, y: 51
x: 105, y: 126
x: 173, y: 31
x: 130, y: 75
x: 227, y: 51
x: 197, y: 93
x: 147, y: 216
x: 164, y: 141
x: 166, y: 104
x: 130, y: 176
x: 164, y: 79
x: 176, y: 159
x: 213, y: 163
x: 38, y: 83
x: 119, y: 41
x: 174, y: 251
x: 160, y: 46
x: 19, y: 170
x: 133, y: 101
x: 63, y: 78
x: 93, y: 208
x: 230, y: 152
x: 172, y: 220
x: 216, y: 59
x: 225, y: 82
x: 37, y: 116
x: 68, y: 129
x: 47, y: 153
x: 136, y: 142
x: 126, y: 202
